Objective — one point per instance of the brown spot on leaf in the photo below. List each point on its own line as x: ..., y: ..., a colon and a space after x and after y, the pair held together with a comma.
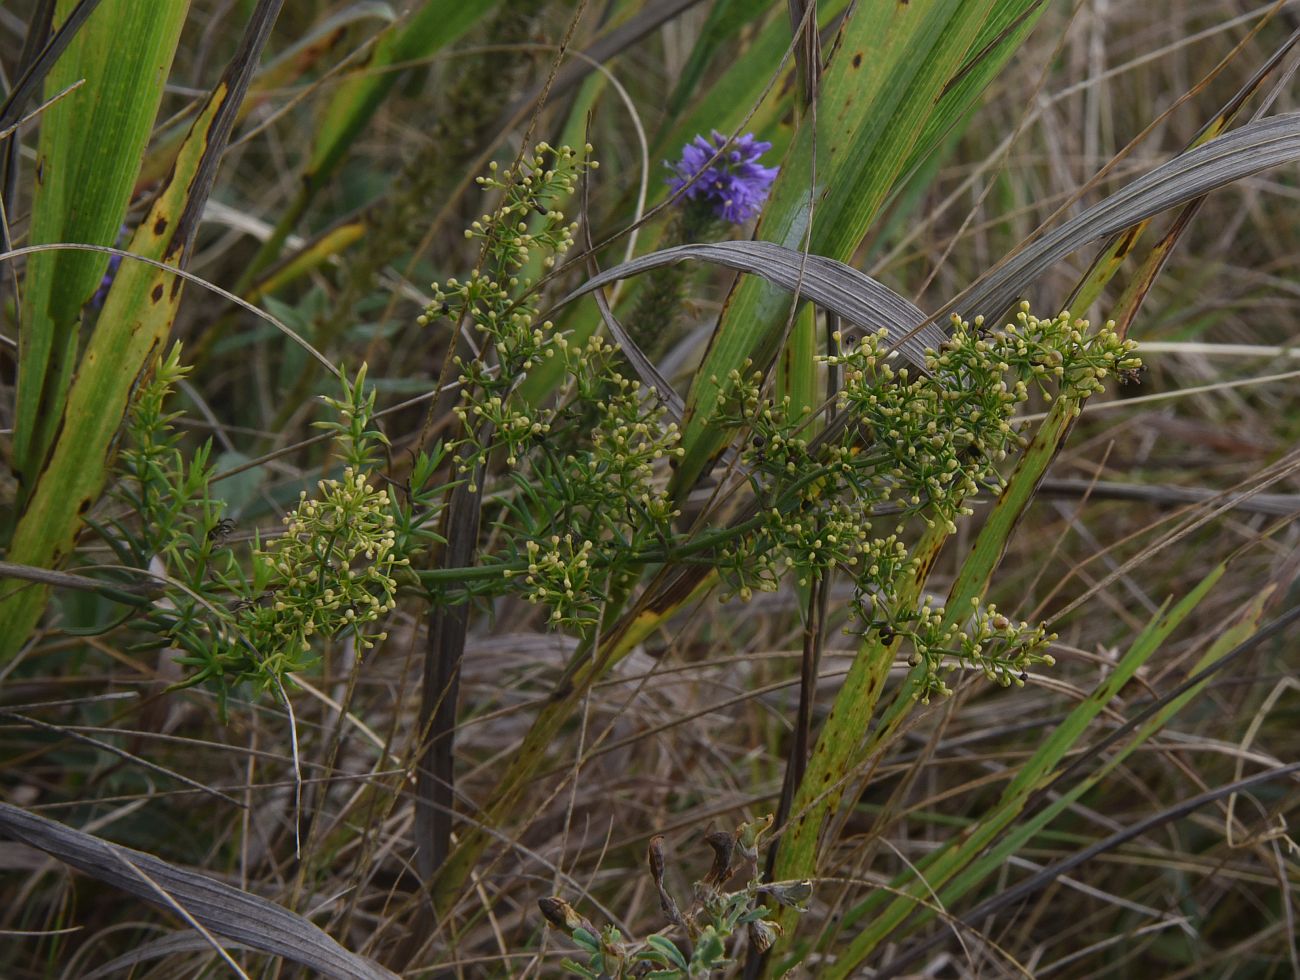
x: 1127, y: 241
x: 857, y: 60
x: 160, y: 226
x: 157, y: 293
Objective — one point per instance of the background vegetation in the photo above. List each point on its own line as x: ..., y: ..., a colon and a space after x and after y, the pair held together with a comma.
x: 312, y: 170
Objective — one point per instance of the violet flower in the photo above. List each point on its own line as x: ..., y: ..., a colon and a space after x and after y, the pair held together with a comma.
x: 735, y: 186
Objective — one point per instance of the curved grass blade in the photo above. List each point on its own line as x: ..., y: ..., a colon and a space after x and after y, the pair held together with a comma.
x: 224, y: 910
x: 1256, y: 146
x: 1108, y: 261
x: 843, y: 290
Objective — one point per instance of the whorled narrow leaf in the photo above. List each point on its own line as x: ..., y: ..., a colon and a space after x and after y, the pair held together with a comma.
x: 218, y: 907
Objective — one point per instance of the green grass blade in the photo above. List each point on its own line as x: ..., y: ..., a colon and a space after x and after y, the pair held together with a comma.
x: 726, y: 20
x: 1035, y: 774
x: 991, y: 543
x: 839, y: 744
x: 796, y: 369
x: 130, y: 333
x: 992, y: 860
x: 91, y: 145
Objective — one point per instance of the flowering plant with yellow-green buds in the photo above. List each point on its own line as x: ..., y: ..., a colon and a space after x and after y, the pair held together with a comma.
x: 576, y: 485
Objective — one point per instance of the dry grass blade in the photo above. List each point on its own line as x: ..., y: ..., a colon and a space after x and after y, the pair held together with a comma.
x: 23, y: 89
x: 1274, y: 504
x: 224, y: 910
x: 832, y: 285
x: 445, y: 649
x: 1254, y: 147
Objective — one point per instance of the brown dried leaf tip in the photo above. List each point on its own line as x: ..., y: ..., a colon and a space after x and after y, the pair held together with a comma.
x: 563, y: 916
x: 724, y: 846
x: 655, y: 857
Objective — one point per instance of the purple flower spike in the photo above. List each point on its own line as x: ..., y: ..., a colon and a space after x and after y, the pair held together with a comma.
x: 736, y: 184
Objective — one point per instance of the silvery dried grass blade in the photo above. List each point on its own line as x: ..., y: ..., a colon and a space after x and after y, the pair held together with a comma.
x: 834, y: 286
x: 221, y: 908
x: 1254, y: 147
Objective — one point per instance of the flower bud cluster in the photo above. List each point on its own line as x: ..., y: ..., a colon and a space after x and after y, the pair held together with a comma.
x: 1000, y: 648
x: 1060, y: 350
x: 921, y: 442
x: 585, y: 476
x: 499, y: 303
x: 594, y: 487
x: 932, y: 440
x: 512, y: 427
x: 629, y: 441
x: 531, y: 189
x: 331, y: 571
x: 561, y: 574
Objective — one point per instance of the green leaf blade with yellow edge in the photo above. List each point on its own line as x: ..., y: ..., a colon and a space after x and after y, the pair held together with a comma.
x: 91, y: 145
